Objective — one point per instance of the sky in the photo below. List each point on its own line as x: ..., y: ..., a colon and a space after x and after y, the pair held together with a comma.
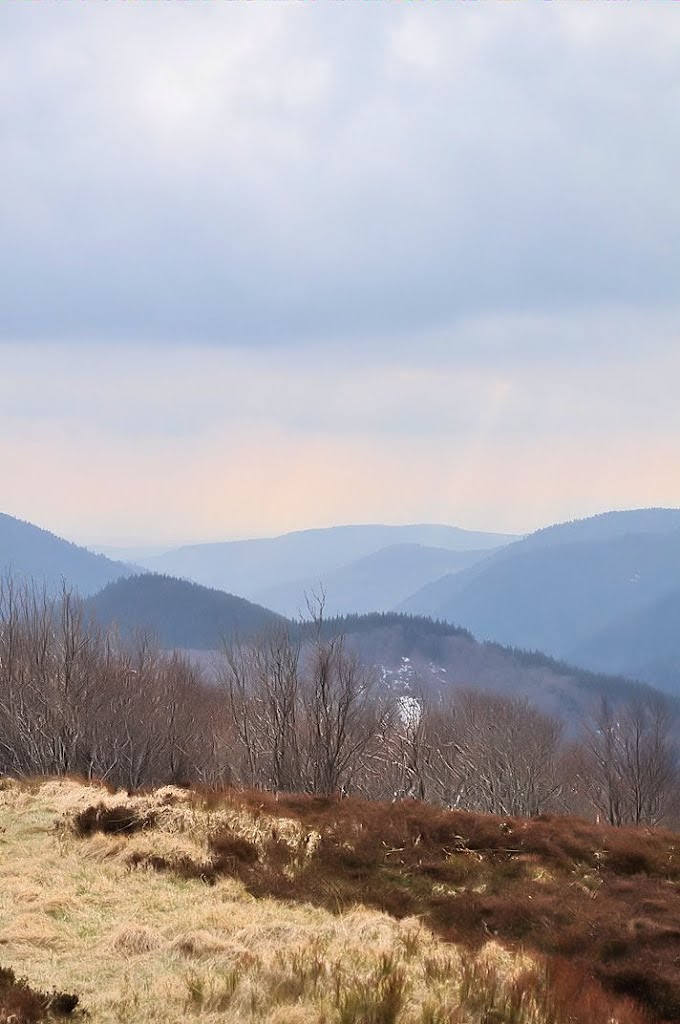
x: 266, y: 267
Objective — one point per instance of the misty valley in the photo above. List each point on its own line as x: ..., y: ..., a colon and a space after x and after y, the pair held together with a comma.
x: 406, y: 763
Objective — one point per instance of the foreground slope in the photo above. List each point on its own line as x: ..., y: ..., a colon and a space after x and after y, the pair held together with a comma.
x: 172, y: 906
x: 30, y: 553
x: 178, y: 613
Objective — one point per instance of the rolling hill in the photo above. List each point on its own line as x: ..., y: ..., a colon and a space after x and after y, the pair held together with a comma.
x: 179, y: 614
x: 374, y: 583
x: 602, y: 593
x: 28, y: 552
x: 411, y: 654
x: 253, y: 567
x: 418, y: 655
x: 555, y: 589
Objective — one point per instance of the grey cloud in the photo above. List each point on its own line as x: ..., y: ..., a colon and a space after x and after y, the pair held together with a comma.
x: 226, y: 176
x: 196, y: 392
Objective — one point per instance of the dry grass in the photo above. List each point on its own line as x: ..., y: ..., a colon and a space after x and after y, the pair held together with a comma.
x: 606, y: 898
x: 165, y: 907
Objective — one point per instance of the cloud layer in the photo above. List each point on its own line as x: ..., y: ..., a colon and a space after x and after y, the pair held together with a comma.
x: 270, y: 266
x: 236, y: 175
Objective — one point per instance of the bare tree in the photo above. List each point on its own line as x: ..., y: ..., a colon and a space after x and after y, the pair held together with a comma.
x: 341, y: 720
x: 262, y: 681
x: 492, y: 754
x: 302, y: 713
x: 630, y: 762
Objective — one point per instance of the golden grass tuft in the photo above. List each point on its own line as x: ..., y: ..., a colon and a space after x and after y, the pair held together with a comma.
x: 122, y: 921
x: 201, y: 943
x: 136, y: 941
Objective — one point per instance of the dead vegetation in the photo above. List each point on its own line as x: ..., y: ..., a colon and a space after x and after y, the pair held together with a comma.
x: 605, y: 899
x: 21, y: 1004
x: 120, y: 820
x: 175, y: 904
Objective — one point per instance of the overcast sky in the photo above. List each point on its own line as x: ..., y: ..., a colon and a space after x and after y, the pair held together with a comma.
x: 265, y: 267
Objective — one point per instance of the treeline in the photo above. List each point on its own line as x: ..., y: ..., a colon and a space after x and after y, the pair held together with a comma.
x: 181, y: 614
x: 411, y: 625
x: 288, y: 713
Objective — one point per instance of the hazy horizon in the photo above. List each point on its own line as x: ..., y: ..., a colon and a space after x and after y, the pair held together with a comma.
x: 275, y: 267
x: 147, y: 545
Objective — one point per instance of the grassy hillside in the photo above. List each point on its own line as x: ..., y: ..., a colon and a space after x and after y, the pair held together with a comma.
x: 178, y: 613
x: 30, y: 553
x: 176, y: 906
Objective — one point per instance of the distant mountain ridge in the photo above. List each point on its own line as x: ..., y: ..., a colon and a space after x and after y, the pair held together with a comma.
x: 373, y: 583
x: 554, y: 589
x: 604, y: 526
x: 253, y: 568
x: 28, y: 552
x: 602, y: 593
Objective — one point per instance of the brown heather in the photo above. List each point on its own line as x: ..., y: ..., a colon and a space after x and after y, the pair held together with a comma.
x: 20, y: 1004
x: 176, y: 904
